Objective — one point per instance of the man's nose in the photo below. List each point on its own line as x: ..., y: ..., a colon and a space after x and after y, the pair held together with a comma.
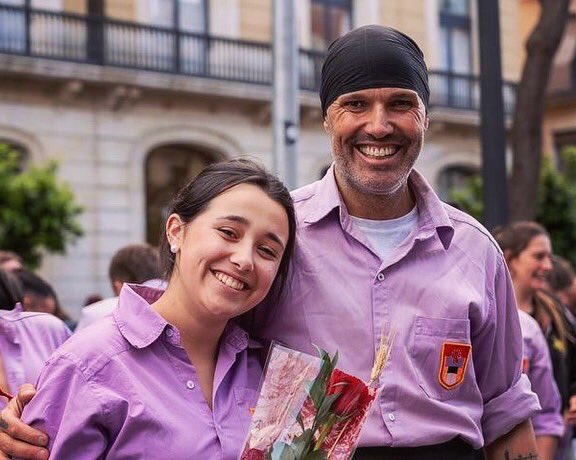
x: 378, y: 124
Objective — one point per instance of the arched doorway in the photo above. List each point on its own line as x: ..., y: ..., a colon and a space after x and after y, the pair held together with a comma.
x: 21, y: 151
x: 169, y: 167
x: 454, y: 177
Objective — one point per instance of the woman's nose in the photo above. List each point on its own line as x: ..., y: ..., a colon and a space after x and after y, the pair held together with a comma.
x: 242, y: 258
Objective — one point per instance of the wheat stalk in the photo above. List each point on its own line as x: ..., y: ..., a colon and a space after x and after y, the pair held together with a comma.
x: 381, y: 356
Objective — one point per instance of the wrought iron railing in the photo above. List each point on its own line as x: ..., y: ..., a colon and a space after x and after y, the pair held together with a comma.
x: 110, y: 42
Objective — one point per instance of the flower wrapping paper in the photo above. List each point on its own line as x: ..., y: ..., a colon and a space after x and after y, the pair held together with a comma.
x: 307, y: 409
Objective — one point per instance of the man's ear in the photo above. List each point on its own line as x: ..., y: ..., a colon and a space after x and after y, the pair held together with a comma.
x: 175, y: 230
x: 325, y: 125
x: 426, y: 123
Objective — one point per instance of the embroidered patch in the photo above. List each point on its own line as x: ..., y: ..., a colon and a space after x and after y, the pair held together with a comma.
x: 453, y: 363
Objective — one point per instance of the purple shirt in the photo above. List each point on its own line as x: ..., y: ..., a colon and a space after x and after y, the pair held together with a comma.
x: 27, y: 339
x: 538, y: 367
x: 446, y: 283
x: 125, y: 388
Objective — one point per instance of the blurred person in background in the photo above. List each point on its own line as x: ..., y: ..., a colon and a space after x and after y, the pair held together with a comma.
x: 39, y: 296
x: 27, y: 339
x: 134, y: 264
x: 528, y: 252
x: 548, y: 422
x: 10, y: 261
x: 562, y: 283
x: 92, y: 298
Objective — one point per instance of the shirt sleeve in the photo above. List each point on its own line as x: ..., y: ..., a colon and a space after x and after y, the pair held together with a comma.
x: 547, y: 421
x: 67, y: 407
x: 497, y: 354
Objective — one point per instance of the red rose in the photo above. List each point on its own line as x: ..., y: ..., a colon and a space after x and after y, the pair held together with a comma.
x: 253, y: 454
x: 353, y: 393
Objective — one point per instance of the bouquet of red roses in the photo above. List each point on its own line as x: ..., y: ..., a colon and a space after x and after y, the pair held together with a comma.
x: 308, y: 409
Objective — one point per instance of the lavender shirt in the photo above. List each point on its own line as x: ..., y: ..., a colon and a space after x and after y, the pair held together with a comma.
x: 27, y: 339
x: 125, y: 388
x: 447, y: 282
x: 538, y: 367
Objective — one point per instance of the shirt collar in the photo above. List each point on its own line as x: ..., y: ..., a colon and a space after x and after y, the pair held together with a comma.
x: 135, y: 300
x: 327, y: 197
x: 431, y: 213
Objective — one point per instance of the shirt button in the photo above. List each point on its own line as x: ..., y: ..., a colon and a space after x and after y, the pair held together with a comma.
x: 169, y: 332
x: 380, y: 277
x: 190, y: 385
x: 391, y: 417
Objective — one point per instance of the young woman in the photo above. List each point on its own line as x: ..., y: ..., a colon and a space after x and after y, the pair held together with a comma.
x: 171, y: 374
x: 528, y: 251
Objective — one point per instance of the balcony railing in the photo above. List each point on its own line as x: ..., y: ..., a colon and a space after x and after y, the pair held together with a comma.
x: 109, y: 42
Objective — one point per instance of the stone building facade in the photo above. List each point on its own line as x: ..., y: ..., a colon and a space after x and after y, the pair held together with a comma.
x: 96, y: 85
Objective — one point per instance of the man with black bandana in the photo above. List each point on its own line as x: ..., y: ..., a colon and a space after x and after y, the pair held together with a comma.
x: 378, y: 252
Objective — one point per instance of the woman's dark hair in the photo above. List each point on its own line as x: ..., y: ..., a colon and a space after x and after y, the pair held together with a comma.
x: 195, y: 197
x: 515, y: 237
x: 33, y: 284
x: 10, y: 290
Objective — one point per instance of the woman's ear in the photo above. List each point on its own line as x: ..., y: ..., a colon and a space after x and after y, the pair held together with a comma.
x: 174, y: 231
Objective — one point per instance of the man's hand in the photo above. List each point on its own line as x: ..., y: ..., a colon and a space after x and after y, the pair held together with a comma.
x: 16, y: 438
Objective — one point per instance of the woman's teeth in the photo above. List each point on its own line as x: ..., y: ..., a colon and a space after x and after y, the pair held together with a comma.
x: 229, y: 281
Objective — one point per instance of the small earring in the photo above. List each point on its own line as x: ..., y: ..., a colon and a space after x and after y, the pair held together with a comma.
x: 173, y: 249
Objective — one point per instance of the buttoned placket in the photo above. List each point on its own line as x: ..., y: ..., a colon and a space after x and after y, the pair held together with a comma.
x: 183, y: 367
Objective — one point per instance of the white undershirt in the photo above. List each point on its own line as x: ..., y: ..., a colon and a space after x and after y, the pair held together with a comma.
x: 385, y: 235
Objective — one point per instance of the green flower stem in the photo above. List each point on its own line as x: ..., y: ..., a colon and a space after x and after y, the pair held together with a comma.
x: 325, y: 431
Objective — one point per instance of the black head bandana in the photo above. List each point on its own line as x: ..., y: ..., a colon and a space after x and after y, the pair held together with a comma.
x: 373, y: 57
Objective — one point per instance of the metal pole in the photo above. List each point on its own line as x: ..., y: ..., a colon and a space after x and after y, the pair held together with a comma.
x: 492, y: 129
x: 285, y: 105
x: 176, y: 30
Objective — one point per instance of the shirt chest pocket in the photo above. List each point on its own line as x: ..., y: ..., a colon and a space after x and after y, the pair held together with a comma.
x: 441, y: 357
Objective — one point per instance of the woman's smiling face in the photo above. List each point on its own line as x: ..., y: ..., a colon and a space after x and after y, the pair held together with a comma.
x: 230, y: 253
x: 530, y: 267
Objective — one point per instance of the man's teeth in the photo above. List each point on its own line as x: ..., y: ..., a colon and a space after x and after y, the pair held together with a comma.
x: 229, y: 281
x: 377, y: 152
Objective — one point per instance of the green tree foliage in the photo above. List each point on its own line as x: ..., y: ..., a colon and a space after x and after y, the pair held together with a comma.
x: 556, y: 207
x: 37, y: 213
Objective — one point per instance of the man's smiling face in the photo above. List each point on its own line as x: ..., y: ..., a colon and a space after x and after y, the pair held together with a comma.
x: 376, y: 136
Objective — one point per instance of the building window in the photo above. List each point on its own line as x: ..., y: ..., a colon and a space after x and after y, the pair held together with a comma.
x: 454, y: 87
x: 454, y: 177
x: 192, y: 14
x: 330, y: 19
x: 563, y: 140
x: 168, y: 168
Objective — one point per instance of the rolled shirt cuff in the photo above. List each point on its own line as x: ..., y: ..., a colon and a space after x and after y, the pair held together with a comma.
x: 508, y: 410
x: 548, y: 424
